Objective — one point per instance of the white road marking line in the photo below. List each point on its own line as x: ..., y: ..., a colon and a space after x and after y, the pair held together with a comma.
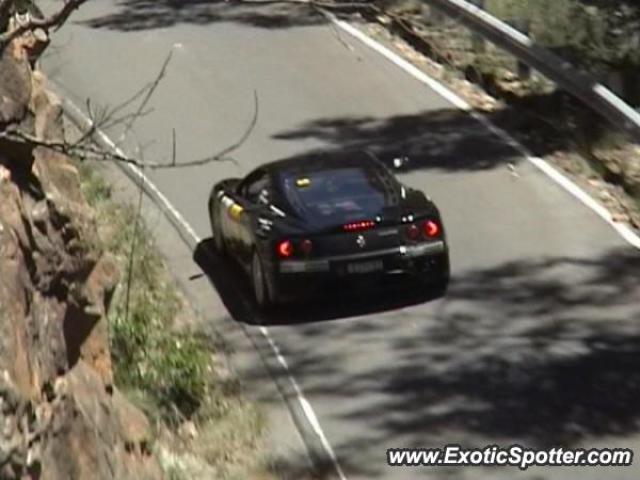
x: 305, y: 405
x: 624, y: 230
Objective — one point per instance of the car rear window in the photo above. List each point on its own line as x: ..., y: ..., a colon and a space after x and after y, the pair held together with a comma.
x: 338, y: 194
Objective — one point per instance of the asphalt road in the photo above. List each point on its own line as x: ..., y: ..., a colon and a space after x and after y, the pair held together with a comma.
x: 538, y: 339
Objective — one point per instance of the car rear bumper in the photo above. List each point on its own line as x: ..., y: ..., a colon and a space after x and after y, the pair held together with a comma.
x: 329, y: 264
x: 300, y: 278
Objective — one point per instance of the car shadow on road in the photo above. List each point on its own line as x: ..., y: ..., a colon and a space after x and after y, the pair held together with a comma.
x: 235, y: 292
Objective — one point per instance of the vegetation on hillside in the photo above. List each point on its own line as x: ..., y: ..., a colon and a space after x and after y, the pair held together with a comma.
x: 170, y: 372
x: 601, y: 36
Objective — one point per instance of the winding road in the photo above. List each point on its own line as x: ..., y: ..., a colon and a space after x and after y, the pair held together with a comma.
x: 538, y: 339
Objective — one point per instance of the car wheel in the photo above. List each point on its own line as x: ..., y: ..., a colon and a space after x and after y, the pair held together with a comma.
x: 260, y: 290
x: 435, y: 285
x: 440, y: 287
x: 433, y: 288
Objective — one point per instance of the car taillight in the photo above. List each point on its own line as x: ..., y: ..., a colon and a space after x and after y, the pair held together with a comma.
x: 284, y: 249
x: 358, y: 226
x: 431, y: 229
x: 413, y: 232
x: 306, y: 246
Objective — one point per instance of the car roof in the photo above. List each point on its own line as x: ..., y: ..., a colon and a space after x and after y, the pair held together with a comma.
x: 308, y: 164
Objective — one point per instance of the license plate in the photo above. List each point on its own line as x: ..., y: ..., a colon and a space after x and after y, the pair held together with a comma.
x: 365, y: 267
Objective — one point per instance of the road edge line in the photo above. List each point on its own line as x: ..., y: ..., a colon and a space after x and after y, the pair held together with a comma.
x: 624, y: 230
x: 185, y: 230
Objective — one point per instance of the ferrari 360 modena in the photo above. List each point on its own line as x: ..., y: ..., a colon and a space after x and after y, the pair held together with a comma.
x: 309, y: 225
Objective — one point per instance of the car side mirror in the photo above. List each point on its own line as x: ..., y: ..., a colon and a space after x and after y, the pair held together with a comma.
x: 401, y: 162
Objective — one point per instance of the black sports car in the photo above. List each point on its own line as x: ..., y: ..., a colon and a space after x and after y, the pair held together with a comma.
x: 304, y: 225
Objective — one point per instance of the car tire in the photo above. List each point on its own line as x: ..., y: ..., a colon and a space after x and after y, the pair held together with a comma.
x: 433, y: 288
x: 439, y: 288
x: 259, y: 283
x: 436, y: 286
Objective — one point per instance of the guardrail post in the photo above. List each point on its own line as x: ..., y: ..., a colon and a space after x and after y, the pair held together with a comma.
x: 523, y: 26
x: 478, y: 43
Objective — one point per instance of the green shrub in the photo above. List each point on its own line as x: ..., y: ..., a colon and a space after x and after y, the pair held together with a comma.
x: 170, y: 368
x: 598, y: 36
x: 166, y: 372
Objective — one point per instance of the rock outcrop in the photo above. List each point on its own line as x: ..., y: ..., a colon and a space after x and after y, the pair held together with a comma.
x: 60, y: 415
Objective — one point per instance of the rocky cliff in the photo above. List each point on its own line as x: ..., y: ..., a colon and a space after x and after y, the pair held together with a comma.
x: 60, y: 415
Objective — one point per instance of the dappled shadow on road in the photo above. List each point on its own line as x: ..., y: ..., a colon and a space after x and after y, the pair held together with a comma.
x: 441, y: 139
x: 445, y: 139
x: 235, y: 291
x: 135, y: 15
x: 546, y: 352
x: 541, y: 352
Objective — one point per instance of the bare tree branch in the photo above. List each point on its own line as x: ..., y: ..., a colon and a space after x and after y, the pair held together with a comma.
x: 56, y: 20
x: 85, y: 151
x: 149, y: 94
x: 112, y: 122
x: 85, y: 147
x: 223, y: 154
x: 109, y: 119
x: 88, y: 150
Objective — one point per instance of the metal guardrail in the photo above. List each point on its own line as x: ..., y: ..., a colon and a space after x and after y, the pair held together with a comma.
x: 579, y: 84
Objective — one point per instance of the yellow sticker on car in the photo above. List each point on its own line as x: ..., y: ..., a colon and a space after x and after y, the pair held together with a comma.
x: 303, y: 182
x: 235, y: 211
